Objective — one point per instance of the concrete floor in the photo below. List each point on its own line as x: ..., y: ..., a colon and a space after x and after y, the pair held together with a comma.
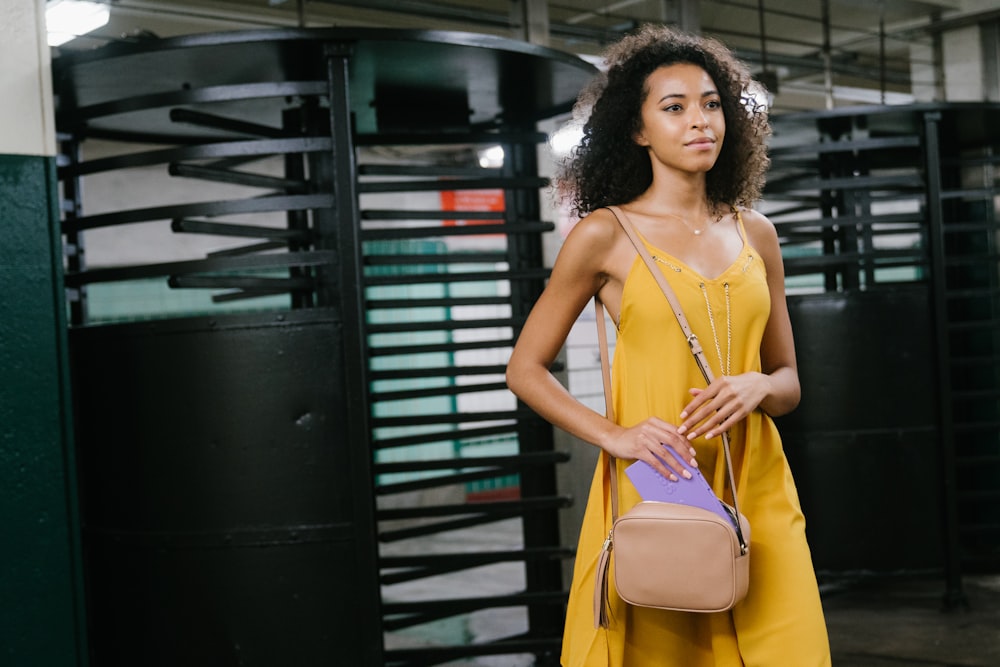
x: 901, y: 623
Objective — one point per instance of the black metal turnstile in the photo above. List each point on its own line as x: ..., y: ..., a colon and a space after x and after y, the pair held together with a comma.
x: 240, y: 455
x: 888, y: 223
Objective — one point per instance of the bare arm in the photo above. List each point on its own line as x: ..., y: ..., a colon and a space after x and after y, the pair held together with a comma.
x: 577, y: 276
x: 777, y: 349
x: 591, y: 261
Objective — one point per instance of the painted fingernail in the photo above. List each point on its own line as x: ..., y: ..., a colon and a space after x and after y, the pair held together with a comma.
x: 694, y: 463
x: 687, y: 475
x: 673, y: 477
x: 681, y: 430
x: 684, y: 415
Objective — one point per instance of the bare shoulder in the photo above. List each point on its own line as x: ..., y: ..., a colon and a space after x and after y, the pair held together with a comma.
x: 597, y: 229
x: 761, y: 232
x: 757, y: 224
x: 763, y: 237
x: 597, y: 246
x: 592, y: 239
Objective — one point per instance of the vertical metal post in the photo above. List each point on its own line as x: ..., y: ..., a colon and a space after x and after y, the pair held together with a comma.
x: 881, y: 50
x: 829, y: 202
x: 937, y: 47
x: 761, y: 26
x: 342, y: 288
x: 541, y: 529
x: 990, y: 37
x: 73, y: 242
x: 297, y: 121
x: 954, y: 595
x: 530, y: 19
x: 685, y: 14
x: 827, y: 55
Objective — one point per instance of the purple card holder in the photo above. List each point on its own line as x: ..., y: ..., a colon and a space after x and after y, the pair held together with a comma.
x: 695, y: 492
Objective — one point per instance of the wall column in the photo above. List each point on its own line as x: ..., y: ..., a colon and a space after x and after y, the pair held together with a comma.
x: 41, y: 613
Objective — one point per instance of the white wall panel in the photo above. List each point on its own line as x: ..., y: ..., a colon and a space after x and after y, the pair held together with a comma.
x: 27, y: 121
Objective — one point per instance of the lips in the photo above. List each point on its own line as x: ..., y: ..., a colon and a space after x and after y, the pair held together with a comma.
x: 701, y: 141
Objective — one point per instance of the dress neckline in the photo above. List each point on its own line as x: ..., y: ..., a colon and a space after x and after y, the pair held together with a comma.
x: 680, y: 266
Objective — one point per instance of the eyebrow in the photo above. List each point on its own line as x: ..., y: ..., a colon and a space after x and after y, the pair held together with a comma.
x: 707, y: 93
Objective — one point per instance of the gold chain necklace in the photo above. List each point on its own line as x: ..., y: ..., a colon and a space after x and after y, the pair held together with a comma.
x: 727, y: 366
x: 693, y: 230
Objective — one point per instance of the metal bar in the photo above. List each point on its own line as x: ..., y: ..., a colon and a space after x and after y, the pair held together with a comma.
x: 410, y: 568
x: 187, y: 225
x: 453, y: 258
x: 426, y: 609
x: 424, y: 170
x: 221, y: 264
x: 430, y: 392
x: 446, y: 418
x: 490, y: 508
x: 441, y: 347
x: 518, y: 460
x: 444, y: 436
x: 509, y: 229
x: 244, y: 283
x: 478, y: 519
x: 244, y: 149
x: 72, y: 207
x: 457, y: 277
x: 202, y: 119
x: 341, y: 286
x: 895, y: 181
x: 224, y: 93
x: 233, y: 177
x: 251, y: 249
x: 213, y: 208
x: 439, y: 481
x: 443, y: 302
x: 954, y: 593
x: 397, y: 214
x: 439, y: 325
x: 446, y: 139
x: 441, y: 371
x: 239, y: 295
x: 528, y: 183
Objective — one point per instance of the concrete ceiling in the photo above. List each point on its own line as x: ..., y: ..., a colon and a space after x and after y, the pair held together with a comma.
x: 862, y: 49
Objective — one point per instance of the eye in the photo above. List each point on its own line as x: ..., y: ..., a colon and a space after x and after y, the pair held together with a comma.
x: 713, y: 104
x: 673, y: 107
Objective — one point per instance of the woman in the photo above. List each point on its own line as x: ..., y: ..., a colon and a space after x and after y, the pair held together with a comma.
x: 673, y: 141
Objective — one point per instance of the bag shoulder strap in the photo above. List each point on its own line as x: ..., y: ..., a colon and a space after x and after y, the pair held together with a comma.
x: 692, y: 340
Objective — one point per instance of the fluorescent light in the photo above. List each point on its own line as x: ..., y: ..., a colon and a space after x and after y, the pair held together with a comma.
x: 566, y: 138
x: 491, y: 157
x: 68, y: 19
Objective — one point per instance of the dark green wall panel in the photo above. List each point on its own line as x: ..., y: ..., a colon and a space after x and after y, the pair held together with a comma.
x: 41, y: 618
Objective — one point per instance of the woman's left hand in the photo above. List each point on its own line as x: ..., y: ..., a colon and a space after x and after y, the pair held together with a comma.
x: 721, y: 405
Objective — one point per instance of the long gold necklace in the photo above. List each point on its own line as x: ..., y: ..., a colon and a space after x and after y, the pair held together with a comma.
x: 727, y: 365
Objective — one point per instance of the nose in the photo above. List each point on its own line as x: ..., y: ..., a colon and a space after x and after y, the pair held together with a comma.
x: 698, y: 118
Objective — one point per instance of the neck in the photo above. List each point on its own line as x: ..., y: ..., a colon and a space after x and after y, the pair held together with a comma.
x: 690, y: 208
x: 678, y: 195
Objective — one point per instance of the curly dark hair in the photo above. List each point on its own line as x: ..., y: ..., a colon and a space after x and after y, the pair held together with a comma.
x: 608, y: 167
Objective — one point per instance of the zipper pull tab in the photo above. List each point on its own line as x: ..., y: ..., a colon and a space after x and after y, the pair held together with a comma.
x: 608, y: 542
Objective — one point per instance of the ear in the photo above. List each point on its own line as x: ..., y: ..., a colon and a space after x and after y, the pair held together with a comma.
x: 640, y: 139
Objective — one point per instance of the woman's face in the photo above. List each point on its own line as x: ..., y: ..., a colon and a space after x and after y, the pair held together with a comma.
x: 682, y: 123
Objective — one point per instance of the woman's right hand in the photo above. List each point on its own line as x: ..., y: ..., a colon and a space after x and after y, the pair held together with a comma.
x: 646, y: 441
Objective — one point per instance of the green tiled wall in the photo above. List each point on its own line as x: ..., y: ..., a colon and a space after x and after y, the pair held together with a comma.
x: 41, y: 617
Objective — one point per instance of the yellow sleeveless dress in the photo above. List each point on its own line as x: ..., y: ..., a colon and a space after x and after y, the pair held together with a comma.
x: 780, y: 622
